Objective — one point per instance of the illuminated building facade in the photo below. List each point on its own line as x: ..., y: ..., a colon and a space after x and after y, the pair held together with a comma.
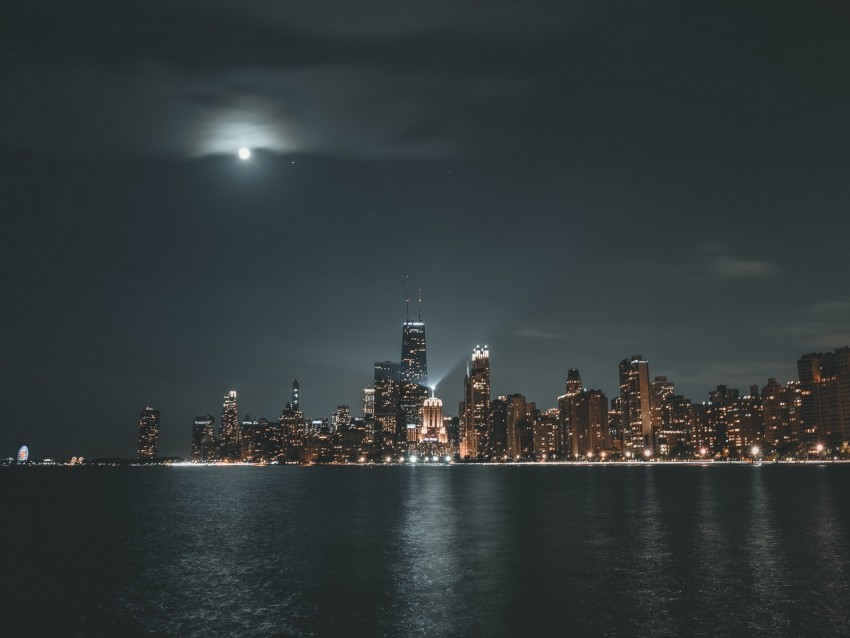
x: 677, y: 425
x: 825, y: 388
x: 368, y: 403
x: 635, y: 402
x: 583, y: 418
x: 296, y: 395
x: 148, y: 441
x: 203, y: 439
x: 388, y: 402
x: 228, y: 429
x: 414, y: 371
x: 433, y: 429
x: 341, y: 418
x: 545, y: 431
x: 781, y: 411
x: 475, y: 413
x: 659, y: 390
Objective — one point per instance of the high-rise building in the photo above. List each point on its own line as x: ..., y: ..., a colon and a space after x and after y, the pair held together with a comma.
x: 475, y: 415
x: 568, y: 404
x: 659, y: 390
x: 433, y: 429
x: 296, y: 400
x: 499, y: 427
x: 368, y: 403
x: 635, y: 403
x: 677, y: 425
x: 292, y: 428
x: 228, y: 429
x: 203, y: 439
x: 825, y: 387
x: 781, y: 408
x: 253, y: 437
x: 545, y: 434
x: 414, y: 370
x: 719, y: 414
x: 341, y: 418
x: 148, y: 443
x: 517, y: 409
x: 388, y: 402
x: 583, y: 417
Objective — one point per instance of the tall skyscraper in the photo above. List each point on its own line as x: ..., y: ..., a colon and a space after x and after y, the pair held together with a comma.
x: 568, y: 404
x: 388, y: 400
x: 228, y: 429
x: 414, y: 369
x: 517, y: 409
x: 635, y: 403
x: 148, y: 444
x: 475, y: 416
x: 583, y: 417
x: 296, y: 388
x: 203, y: 438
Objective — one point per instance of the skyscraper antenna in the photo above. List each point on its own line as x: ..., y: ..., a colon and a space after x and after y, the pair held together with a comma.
x: 407, y: 298
x: 420, y: 304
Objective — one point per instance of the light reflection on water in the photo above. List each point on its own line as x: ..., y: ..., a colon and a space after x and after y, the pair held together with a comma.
x: 440, y: 551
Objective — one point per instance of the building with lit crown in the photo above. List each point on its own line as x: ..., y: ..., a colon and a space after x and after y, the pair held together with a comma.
x: 475, y: 409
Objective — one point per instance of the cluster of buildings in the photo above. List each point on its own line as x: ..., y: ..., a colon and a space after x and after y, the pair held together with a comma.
x: 402, y: 420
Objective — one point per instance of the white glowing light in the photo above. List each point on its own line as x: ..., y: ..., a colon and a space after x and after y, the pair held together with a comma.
x: 755, y: 450
x: 244, y: 153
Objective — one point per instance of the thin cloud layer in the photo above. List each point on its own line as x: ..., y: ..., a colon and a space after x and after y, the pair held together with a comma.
x: 729, y: 267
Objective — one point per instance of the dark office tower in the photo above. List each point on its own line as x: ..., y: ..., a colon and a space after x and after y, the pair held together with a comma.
x: 593, y: 421
x: 414, y: 370
x: 499, y: 427
x: 296, y: 387
x: 635, y: 404
x: 517, y: 424
x: 825, y: 388
x: 475, y: 417
x: 228, y: 429
x: 615, y: 427
x: 387, y: 400
x: 573, y: 382
x: 568, y: 403
x: 148, y: 445
x: 203, y: 438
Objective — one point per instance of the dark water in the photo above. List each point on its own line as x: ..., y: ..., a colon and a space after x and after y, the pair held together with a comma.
x: 426, y: 551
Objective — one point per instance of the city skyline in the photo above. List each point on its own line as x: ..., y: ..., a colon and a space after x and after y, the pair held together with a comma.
x: 648, y: 420
x: 570, y: 184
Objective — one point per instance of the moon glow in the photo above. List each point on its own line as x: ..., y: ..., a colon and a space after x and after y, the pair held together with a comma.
x: 244, y: 153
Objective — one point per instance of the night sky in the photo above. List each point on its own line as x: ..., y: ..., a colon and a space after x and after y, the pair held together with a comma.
x: 570, y: 183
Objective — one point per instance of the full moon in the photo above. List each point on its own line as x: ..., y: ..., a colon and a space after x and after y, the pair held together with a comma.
x: 244, y: 153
